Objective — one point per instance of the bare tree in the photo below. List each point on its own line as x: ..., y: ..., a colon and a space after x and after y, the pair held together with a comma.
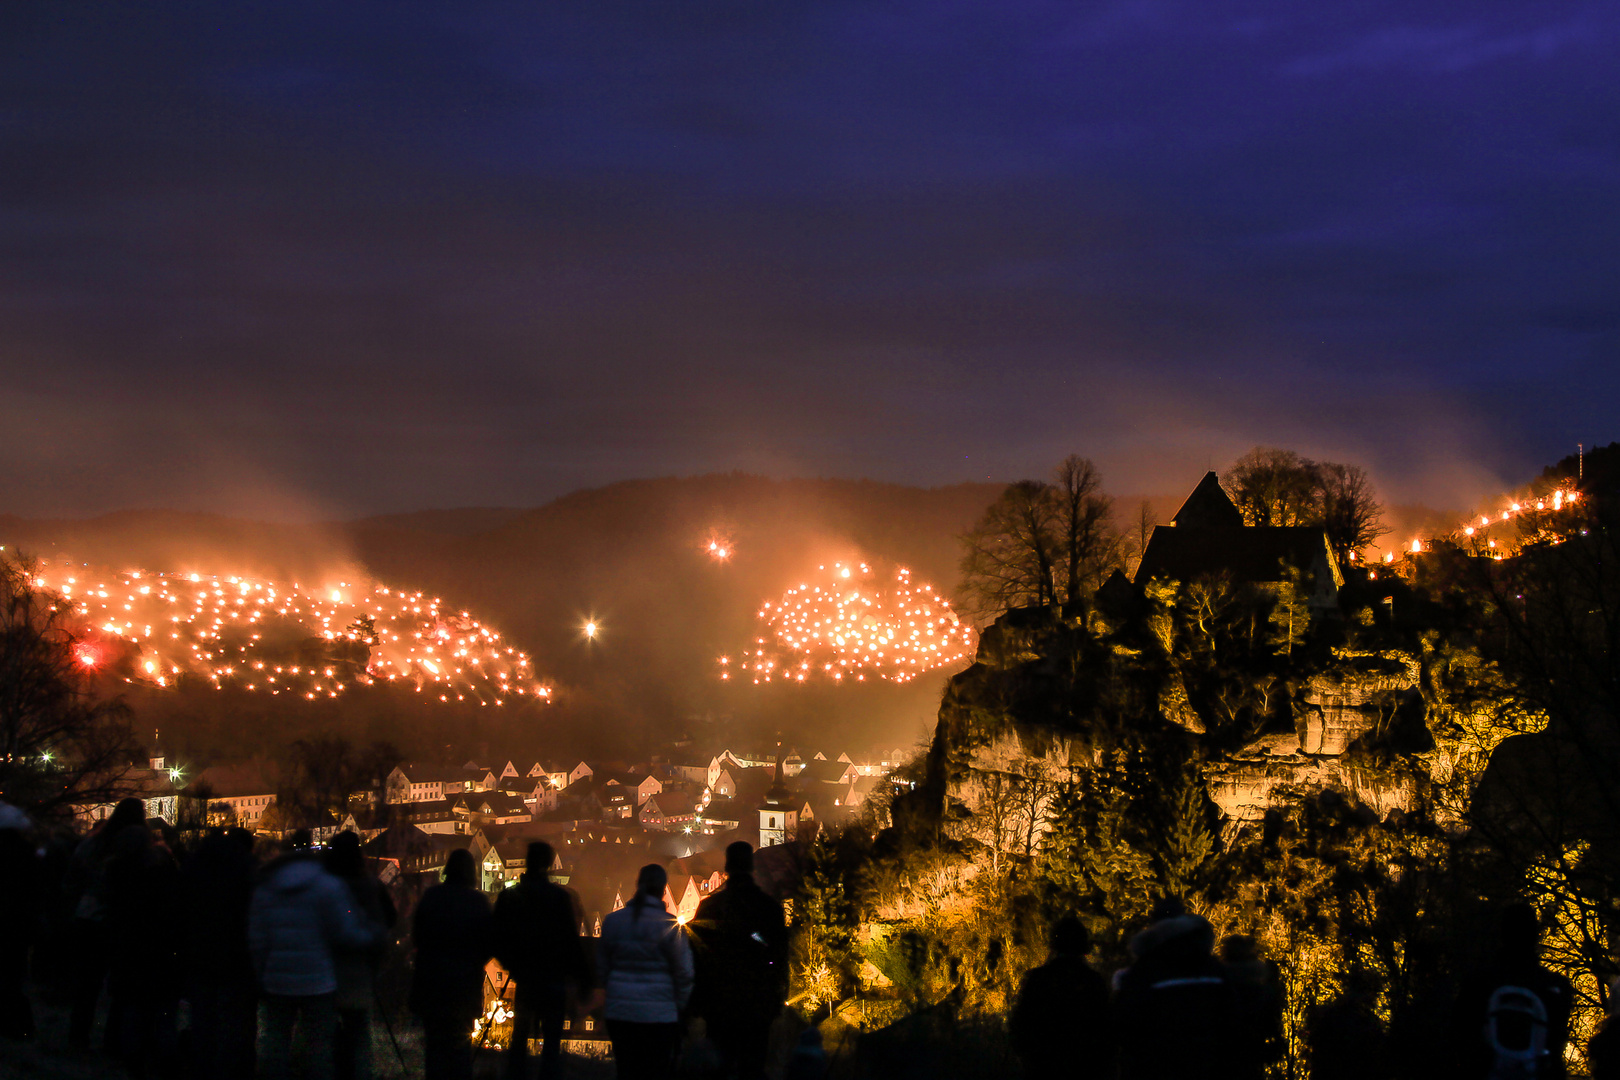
x: 1274, y: 487
x: 1010, y: 557
x: 61, y: 743
x: 1041, y: 543
x: 1350, y: 510
x: 1090, y: 545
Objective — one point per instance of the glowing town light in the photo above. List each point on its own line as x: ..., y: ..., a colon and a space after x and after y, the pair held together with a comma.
x: 590, y: 628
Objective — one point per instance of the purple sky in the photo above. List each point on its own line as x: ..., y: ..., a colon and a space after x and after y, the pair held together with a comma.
x: 313, y: 258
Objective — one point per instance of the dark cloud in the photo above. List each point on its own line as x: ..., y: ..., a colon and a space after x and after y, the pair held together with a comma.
x: 303, y: 257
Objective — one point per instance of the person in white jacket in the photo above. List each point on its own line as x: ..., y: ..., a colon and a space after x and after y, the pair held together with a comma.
x: 299, y: 915
x: 646, y: 967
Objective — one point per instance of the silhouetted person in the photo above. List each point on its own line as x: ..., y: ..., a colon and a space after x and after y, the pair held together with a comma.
x: 1603, y: 1049
x: 808, y: 1061
x: 21, y: 903
x: 143, y: 951
x: 1515, y: 1013
x: 1258, y: 997
x: 647, y: 976
x: 85, y: 885
x: 1059, y: 1024
x: 217, y: 886
x: 357, y: 968
x: 299, y: 916
x: 1175, y: 1012
x: 454, y: 934
x: 1346, y: 1040
x: 537, y: 940
x: 742, y: 970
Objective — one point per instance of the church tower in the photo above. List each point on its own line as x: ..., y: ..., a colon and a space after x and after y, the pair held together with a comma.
x: 778, y: 820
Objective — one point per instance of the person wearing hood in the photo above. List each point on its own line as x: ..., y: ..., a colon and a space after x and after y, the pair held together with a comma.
x: 453, y: 932
x: 537, y: 940
x: 1059, y: 1025
x: 741, y: 951
x: 1176, y: 1016
x: 299, y: 917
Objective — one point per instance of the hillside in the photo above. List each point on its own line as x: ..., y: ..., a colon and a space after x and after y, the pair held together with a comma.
x: 632, y: 556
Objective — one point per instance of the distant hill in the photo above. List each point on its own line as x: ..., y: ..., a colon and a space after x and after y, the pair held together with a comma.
x: 633, y: 557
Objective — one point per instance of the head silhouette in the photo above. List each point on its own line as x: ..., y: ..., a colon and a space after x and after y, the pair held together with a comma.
x: 739, y: 858
x: 128, y: 812
x: 1070, y: 937
x: 343, y: 856
x: 460, y: 869
x: 1520, y: 930
x: 650, y: 885
x: 540, y: 858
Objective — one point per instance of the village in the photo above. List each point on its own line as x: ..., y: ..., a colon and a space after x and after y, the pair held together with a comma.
x: 606, y: 819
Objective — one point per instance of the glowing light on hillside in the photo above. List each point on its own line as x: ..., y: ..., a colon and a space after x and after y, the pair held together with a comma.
x: 1560, y: 500
x: 590, y: 629
x: 278, y: 638
x: 852, y: 627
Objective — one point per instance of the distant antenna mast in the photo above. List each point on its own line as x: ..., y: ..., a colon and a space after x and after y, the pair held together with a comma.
x: 1580, y: 462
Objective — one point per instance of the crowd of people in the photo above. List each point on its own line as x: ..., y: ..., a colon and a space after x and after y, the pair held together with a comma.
x: 284, y: 953
x: 1183, y: 1010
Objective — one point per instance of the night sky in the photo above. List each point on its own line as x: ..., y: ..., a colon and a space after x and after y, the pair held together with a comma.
x: 338, y: 258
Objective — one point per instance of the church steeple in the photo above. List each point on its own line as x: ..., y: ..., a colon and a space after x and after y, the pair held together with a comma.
x: 778, y: 820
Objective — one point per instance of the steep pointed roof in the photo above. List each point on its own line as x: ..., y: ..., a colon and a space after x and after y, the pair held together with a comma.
x: 1208, y: 505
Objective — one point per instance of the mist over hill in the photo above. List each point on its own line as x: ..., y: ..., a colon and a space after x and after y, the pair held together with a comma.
x: 634, y: 558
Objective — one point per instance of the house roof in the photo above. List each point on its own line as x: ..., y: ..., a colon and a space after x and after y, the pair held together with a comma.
x: 236, y: 780
x: 1208, y: 505
x: 1259, y: 553
x: 824, y: 772
x: 499, y: 802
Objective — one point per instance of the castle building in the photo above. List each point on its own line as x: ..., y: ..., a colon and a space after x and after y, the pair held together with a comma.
x: 1207, y: 536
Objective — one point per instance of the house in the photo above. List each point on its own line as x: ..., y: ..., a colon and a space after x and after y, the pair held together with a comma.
x: 722, y: 815
x: 482, y: 808
x: 823, y: 771
x: 431, y: 816
x: 153, y: 784
x: 244, y: 790
x: 560, y: 772
x: 505, y: 863
x: 640, y: 786
x: 1207, y: 537
x: 422, y: 853
x: 425, y: 783
x: 668, y: 811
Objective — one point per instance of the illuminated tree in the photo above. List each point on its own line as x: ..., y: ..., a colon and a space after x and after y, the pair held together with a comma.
x: 61, y: 744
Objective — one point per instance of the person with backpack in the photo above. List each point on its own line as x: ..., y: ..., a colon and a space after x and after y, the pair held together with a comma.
x: 1059, y: 1025
x: 742, y: 971
x: 537, y: 941
x: 1512, y: 1019
x: 647, y: 976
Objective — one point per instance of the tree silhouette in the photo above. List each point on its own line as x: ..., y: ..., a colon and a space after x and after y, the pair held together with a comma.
x: 61, y: 744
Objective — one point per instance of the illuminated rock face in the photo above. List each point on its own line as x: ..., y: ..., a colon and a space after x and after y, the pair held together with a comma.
x: 1331, y: 712
x: 1356, y: 700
